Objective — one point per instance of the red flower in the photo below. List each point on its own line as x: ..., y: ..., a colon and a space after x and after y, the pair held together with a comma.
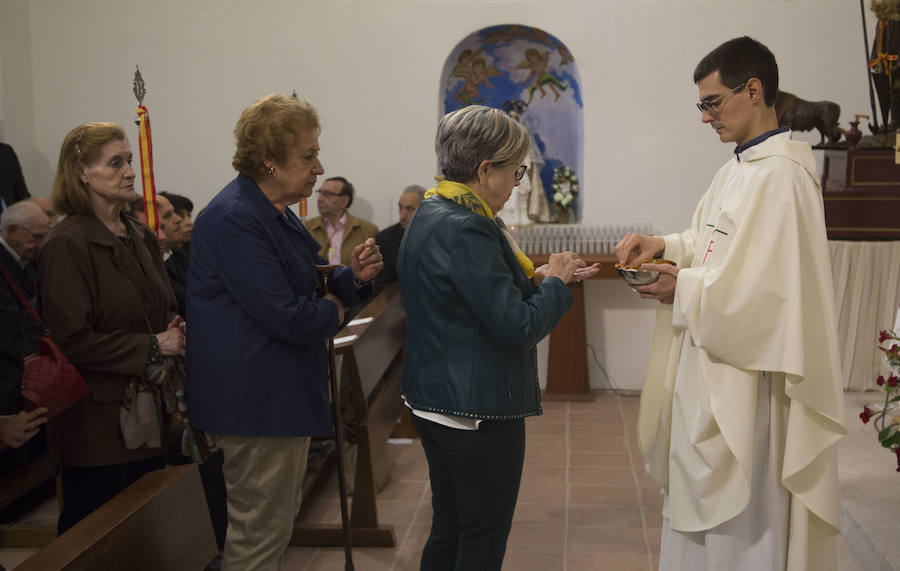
x: 866, y: 415
x: 892, y: 381
x: 897, y: 452
x: 879, y: 381
x: 883, y: 336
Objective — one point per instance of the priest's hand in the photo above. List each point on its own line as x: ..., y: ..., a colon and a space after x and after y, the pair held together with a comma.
x: 366, y: 260
x: 635, y: 249
x: 663, y: 289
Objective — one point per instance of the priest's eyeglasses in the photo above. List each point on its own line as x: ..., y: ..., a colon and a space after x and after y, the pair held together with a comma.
x: 712, y: 104
x: 520, y: 172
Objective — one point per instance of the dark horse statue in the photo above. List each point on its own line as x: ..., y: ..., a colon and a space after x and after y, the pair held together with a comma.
x: 802, y: 115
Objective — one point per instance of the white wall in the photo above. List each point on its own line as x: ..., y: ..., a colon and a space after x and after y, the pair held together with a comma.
x: 371, y: 67
x: 16, y: 92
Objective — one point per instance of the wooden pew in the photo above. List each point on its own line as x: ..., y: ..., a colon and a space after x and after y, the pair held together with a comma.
x: 159, y: 522
x: 374, y: 359
x: 15, y: 485
x: 40, y: 470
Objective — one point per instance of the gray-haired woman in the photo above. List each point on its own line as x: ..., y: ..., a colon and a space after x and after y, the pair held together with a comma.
x: 476, y: 307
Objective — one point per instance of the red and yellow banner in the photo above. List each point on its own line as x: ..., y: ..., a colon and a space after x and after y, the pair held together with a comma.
x: 146, y: 150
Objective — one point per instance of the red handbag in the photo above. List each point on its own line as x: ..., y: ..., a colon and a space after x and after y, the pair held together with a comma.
x: 49, y: 379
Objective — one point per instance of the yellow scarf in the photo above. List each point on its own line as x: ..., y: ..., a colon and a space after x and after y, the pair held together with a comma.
x: 464, y: 196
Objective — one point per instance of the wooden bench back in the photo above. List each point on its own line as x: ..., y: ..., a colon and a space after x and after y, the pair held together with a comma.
x: 159, y: 522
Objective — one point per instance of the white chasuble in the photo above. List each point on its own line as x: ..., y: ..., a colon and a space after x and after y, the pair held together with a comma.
x: 754, y: 299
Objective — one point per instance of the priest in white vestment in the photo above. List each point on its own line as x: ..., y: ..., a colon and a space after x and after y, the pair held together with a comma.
x: 742, y: 407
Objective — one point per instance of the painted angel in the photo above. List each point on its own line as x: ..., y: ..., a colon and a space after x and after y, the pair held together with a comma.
x: 537, y: 63
x: 464, y: 63
x: 478, y: 74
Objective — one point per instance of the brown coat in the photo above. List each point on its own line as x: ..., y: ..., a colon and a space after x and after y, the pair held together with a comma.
x: 356, y: 232
x: 99, y: 318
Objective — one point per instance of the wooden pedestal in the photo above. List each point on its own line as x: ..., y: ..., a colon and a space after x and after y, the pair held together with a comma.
x: 567, y: 375
x: 861, y: 189
x: 567, y: 370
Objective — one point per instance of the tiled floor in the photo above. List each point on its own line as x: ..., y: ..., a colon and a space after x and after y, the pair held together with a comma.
x: 585, y: 502
x: 870, y: 490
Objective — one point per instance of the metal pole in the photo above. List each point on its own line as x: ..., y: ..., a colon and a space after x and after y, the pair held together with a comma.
x: 324, y: 277
x: 339, y: 451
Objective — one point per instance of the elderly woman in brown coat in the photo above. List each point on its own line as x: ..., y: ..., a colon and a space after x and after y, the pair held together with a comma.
x: 105, y: 296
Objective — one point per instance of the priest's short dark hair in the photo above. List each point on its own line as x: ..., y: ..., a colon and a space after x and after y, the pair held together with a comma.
x: 740, y: 60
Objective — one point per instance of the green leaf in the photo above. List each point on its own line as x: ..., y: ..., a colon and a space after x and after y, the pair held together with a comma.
x: 886, y: 433
x: 892, y: 441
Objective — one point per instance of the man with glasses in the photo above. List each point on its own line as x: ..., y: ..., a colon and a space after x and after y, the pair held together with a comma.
x: 742, y: 407
x: 335, y: 229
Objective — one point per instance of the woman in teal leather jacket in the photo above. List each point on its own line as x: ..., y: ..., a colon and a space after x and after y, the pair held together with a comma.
x: 476, y: 307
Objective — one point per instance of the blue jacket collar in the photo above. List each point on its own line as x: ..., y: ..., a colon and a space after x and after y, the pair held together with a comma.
x: 265, y: 206
x: 255, y: 194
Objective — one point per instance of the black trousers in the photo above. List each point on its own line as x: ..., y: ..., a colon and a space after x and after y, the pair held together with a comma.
x: 85, y: 489
x: 475, y: 477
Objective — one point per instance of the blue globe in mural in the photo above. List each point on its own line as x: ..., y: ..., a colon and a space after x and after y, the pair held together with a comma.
x: 531, y: 75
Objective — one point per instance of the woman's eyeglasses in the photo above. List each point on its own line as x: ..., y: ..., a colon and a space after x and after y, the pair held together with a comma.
x: 520, y: 172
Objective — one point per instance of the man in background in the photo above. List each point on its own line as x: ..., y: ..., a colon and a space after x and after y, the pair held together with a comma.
x: 389, y: 238
x: 22, y: 228
x: 184, y: 208
x: 176, y: 260
x: 337, y: 231
x: 47, y: 206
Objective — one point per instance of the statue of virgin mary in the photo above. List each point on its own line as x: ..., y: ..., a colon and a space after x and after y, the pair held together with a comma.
x: 528, y: 202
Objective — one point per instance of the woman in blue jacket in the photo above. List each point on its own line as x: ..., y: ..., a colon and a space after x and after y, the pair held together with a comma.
x: 476, y: 307
x: 257, y: 363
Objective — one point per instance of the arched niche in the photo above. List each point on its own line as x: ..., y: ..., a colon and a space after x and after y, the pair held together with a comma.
x: 511, y: 65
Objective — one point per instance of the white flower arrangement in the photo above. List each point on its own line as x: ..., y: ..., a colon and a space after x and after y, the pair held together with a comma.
x: 565, y: 186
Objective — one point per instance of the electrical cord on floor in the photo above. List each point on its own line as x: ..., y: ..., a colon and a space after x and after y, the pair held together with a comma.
x: 612, y: 386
